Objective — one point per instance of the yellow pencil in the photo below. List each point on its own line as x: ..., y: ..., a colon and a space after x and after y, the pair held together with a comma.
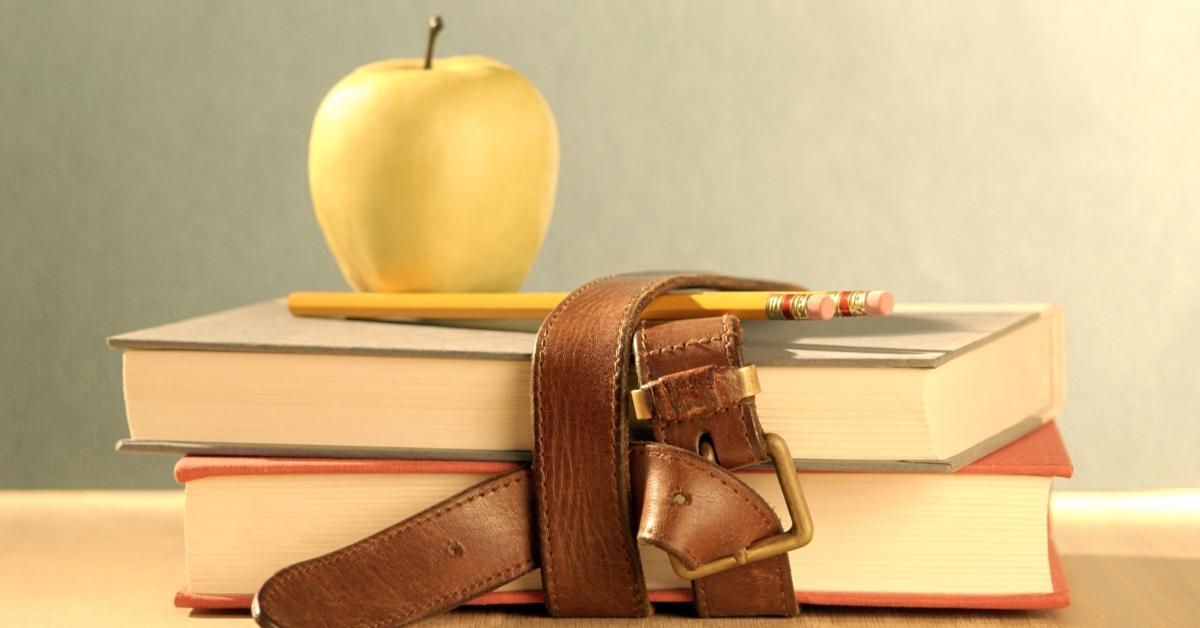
x: 537, y: 305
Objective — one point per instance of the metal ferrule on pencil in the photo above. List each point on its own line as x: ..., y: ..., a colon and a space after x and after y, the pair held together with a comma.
x: 787, y: 306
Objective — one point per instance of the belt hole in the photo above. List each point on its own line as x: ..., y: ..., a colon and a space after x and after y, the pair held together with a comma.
x: 455, y: 549
x: 704, y: 447
x: 681, y: 499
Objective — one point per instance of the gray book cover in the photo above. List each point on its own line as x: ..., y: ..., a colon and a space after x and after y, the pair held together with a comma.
x: 916, y: 336
x: 919, y: 338
x: 179, y: 448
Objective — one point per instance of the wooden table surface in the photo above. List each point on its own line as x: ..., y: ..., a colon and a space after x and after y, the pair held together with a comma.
x: 116, y: 559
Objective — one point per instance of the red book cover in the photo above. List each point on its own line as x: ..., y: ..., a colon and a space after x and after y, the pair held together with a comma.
x: 1040, y: 453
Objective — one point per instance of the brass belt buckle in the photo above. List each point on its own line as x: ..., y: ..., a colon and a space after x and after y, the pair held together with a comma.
x: 795, y: 537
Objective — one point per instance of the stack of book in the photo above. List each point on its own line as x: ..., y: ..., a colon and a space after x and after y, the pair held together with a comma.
x: 925, y: 443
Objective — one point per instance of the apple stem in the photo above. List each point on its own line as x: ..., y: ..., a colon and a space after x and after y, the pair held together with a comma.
x: 435, y: 27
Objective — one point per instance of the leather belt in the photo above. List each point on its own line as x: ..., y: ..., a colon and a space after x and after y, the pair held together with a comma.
x: 573, y: 513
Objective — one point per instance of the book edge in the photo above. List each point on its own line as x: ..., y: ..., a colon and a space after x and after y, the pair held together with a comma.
x: 1059, y: 597
x: 194, y: 467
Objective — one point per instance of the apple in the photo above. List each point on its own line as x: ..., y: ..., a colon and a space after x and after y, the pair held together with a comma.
x: 435, y: 175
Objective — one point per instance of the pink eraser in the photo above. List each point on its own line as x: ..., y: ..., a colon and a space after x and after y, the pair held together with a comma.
x: 821, y: 309
x: 880, y: 303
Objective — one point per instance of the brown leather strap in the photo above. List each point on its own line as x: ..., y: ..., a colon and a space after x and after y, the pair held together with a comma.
x: 589, y: 556
x: 580, y: 493
x: 674, y: 359
x: 687, y: 366
x: 431, y: 562
x: 686, y: 511
x: 482, y: 538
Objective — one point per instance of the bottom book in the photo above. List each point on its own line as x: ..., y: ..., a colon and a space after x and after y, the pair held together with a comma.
x: 977, y: 538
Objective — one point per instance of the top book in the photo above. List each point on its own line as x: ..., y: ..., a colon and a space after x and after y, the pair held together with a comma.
x: 932, y: 387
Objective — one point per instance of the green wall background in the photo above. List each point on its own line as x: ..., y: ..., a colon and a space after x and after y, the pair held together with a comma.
x: 152, y: 167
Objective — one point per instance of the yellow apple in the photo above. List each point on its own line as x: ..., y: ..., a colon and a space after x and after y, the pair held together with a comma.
x: 438, y: 179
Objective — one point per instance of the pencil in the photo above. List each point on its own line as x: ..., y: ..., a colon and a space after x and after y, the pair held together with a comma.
x: 861, y: 302
x: 537, y: 305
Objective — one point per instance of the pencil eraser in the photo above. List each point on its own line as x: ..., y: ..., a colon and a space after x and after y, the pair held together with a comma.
x: 821, y: 309
x: 880, y: 302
